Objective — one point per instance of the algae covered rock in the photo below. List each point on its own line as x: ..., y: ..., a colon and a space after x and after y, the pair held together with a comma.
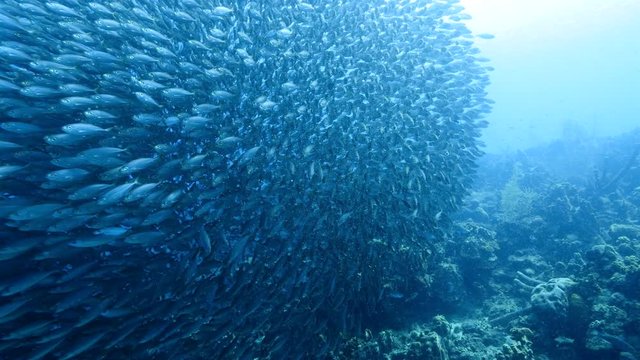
x: 421, y: 342
x: 448, y: 283
x: 628, y: 230
x: 551, y: 297
x: 477, y: 245
x: 518, y: 345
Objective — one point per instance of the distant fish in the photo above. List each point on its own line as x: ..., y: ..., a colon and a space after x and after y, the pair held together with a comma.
x: 221, y: 11
x: 485, y: 36
x: 204, y: 241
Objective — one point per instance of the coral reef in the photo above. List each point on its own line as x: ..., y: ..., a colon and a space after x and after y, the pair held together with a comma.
x: 518, y: 346
x: 516, y: 203
x: 629, y: 230
x: 544, y: 268
x: 419, y: 343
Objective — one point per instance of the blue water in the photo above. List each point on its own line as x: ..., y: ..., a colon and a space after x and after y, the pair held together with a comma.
x: 558, y: 64
x: 314, y: 180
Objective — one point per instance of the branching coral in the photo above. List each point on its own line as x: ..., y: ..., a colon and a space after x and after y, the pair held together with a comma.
x: 516, y: 203
x: 602, y: 186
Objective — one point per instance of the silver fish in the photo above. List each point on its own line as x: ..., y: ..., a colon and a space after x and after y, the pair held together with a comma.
x: 68, y: 175
x: 116, y: 194
x: 82, y: 129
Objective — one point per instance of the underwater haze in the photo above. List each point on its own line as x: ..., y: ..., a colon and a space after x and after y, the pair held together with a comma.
x: 558, y: 62
x: 319, y: 179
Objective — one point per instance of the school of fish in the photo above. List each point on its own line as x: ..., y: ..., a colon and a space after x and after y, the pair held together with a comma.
x: 204, y: 179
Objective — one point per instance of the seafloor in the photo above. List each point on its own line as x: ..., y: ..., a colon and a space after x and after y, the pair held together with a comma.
x: 544, y: 262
